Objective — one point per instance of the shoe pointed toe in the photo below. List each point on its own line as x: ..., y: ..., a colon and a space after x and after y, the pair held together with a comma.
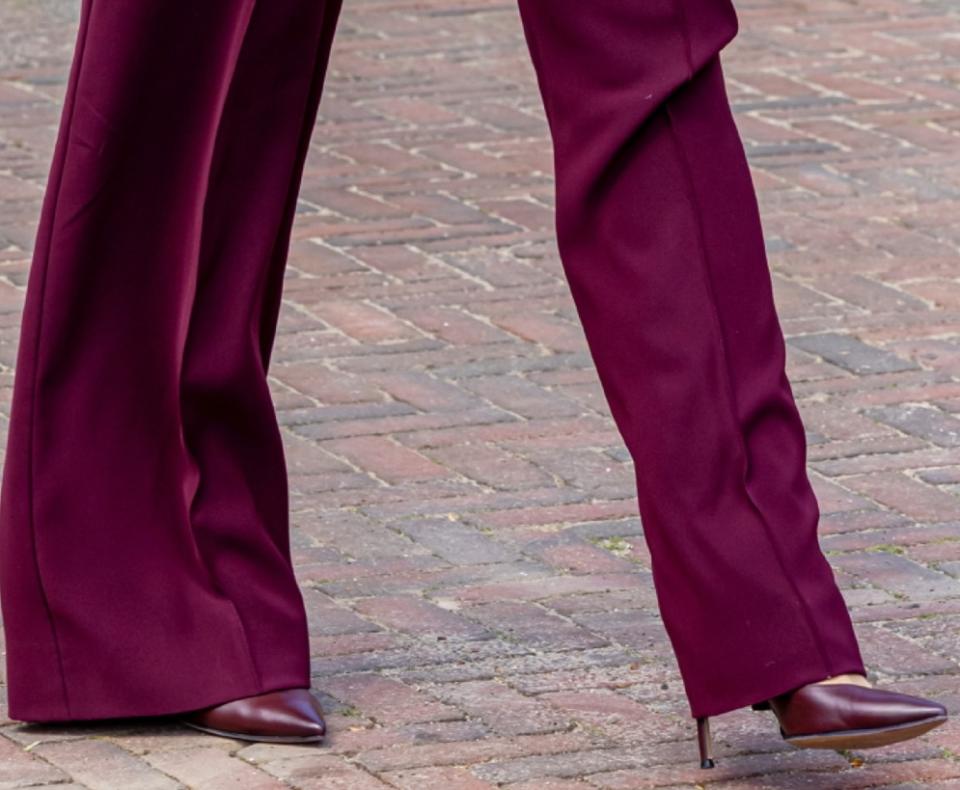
x: 858, y: 716
x: 861, y: 707
x: 287, y: 716
x: 293, y: 712
x: 906, y: 708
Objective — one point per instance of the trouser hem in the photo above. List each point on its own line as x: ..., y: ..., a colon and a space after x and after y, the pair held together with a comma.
x: 123, y: 709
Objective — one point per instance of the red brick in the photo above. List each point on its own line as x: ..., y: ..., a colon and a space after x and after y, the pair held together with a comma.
x: 385, y: 458
x: 99, y: 764
x: 387, y: 700
x: 419, y: 617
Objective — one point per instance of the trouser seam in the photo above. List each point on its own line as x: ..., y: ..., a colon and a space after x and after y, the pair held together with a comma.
x: 729, y: 396
x: 684, y: 27
x: 70, y: 113
x: 254, y: 670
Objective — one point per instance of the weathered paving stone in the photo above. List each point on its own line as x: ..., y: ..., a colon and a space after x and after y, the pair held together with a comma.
x: 503, y: 709
x: 852, y: 354
x: 527, y: 670
x: 465, y: 527
x: 898, y: 574
x: 103, y: 766
x: 921, y: 420
x: 474, y: 751
x: 19, y: 768
x: 419, y: 617
x: 387, y: 700
x: 455, y: 542
x: 205, y: 766
x: 533, y: 626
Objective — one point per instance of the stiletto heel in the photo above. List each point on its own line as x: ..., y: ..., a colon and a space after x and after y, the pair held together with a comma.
x: 840, y: 716
x: 705, y: 741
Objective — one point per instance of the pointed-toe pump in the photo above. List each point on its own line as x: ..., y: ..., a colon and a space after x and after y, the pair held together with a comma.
x: 840, y: 716
x: 288, y: 716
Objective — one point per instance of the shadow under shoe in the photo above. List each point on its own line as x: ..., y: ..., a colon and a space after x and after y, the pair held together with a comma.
x: 841, y: 716
x: 287, y: 716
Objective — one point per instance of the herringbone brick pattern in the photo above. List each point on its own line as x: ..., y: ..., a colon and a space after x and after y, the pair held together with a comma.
x: 465, y: 523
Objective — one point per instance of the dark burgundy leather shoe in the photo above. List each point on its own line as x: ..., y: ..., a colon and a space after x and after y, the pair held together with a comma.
x: 288, y: 716
x: 849, y: 716
x: 840, y: 716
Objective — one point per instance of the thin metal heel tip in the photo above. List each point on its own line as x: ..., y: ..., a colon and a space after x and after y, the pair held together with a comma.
x: 705, y: 742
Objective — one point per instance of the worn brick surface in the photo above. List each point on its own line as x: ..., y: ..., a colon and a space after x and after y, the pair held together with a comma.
x: 465, y: 529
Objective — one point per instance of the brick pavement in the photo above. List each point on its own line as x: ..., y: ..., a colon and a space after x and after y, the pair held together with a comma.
x: 465, y: 524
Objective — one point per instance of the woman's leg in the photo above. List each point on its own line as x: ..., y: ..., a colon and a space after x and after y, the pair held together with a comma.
x: 661, y: 242
x: 144, y: 566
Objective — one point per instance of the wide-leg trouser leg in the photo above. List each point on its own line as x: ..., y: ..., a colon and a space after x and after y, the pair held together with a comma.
x: 144, y: 563
x: 239, y: 512
x: 661, y: 242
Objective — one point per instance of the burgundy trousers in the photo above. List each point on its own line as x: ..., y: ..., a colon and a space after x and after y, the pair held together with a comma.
x: 144, y: 553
